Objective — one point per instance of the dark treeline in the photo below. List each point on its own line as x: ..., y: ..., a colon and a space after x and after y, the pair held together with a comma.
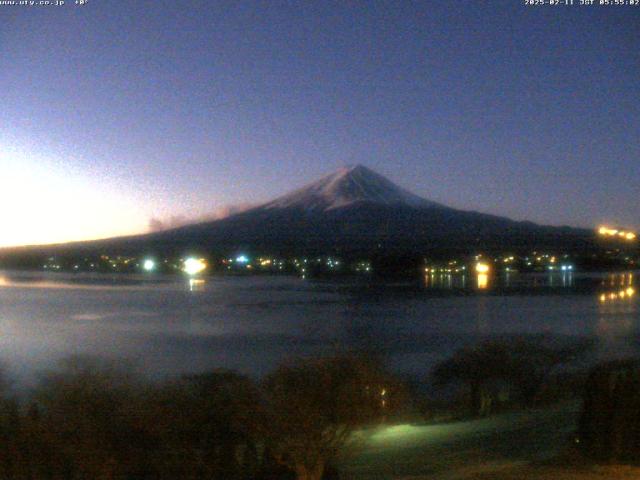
x: 515, y: 371
x: 90, y: 418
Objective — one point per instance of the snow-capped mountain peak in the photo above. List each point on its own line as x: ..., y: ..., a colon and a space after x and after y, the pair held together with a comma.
x: 347, y: 186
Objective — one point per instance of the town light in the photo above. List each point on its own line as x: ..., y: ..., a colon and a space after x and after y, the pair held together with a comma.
x: 149, y: 265
x: 614, y: 232
x: 482, y: 267
x: 193, y: 266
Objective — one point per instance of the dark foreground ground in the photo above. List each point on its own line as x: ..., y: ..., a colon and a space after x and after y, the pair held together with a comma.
x: 534, y: 444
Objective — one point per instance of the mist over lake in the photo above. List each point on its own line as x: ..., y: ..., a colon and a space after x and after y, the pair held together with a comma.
x: 169, y: 325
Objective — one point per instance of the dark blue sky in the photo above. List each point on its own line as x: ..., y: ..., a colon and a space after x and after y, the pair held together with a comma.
x: 150, y: 109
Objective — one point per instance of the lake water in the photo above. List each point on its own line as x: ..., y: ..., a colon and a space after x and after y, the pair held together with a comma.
x: 169, y: 325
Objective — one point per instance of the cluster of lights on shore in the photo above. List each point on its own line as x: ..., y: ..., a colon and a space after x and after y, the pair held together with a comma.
x: 617, y: 233
x: 484, y: 268
x: 194, y: 266
x: 190, y: 266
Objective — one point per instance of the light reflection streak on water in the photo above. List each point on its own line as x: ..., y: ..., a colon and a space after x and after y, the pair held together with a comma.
x: 196, y: 285
x: 7, y: 282
x: 619, y: 287
x: 451, y: 281
x: 71, y: 286
x: 617, y: 307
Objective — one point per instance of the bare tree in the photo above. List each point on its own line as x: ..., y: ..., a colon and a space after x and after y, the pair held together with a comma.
x: 314, y: 408
x: 204, y: 424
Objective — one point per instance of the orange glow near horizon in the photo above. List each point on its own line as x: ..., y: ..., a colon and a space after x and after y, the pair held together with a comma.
x: 42, y: 204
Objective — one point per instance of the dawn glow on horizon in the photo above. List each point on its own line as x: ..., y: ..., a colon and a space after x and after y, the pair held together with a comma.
x: 43, y: 203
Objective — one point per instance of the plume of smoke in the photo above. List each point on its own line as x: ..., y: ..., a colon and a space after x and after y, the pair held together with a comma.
x: 157, y: 224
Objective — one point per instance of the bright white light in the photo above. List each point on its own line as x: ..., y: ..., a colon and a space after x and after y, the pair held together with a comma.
x: 242, y: 259
x: 149, y: 265
x: 193, y: 266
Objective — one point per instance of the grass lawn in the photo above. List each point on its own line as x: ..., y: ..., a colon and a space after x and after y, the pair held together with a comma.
x: 531, y: 444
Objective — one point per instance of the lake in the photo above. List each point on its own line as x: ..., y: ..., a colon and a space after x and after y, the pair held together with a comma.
x: 170, y: 324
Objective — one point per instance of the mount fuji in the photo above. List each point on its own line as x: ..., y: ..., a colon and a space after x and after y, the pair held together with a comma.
x: 353, y: 211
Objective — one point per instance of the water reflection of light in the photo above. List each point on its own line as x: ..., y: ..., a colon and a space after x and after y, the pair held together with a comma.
x: 483, y: 281
x: 625, y: 293
x: 44, y: 284
x: 616, y: 308
x: 620, y: 286
x: 567, y: 279
x: 196, y: 284
x: 621, y: 279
